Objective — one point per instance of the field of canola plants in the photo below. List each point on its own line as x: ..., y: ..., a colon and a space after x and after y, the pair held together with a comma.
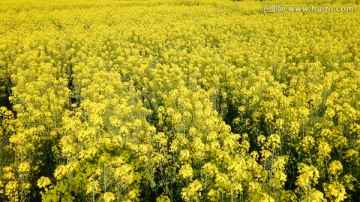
x: 178, y: 100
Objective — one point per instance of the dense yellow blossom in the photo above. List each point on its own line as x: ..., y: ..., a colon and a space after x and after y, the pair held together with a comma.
x: 43, y: 182
x: 108, y: 197
x: 335, y: 191
x: 187, y: 100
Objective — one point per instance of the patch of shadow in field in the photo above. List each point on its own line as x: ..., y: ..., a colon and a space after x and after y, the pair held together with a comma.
x: 5, y: 92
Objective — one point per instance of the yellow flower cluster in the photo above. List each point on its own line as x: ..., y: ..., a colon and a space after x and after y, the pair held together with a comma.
x: 189, y: 100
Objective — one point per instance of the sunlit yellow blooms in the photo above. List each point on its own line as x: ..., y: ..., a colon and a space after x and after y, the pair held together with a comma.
x: 309, y: 176
x: 209, y: 170
x: 324, y: 149
x: 92, y: 187
x: 124, y: 174
x: 184, y: 156
x: 186, y: 171
x: 43, y: 182
x: 314, y: 196
x: 222, y: 181
x: 11, y: 190
x: 280, y: 162
x: 62, y: 171
x: 281, y: 176
x: 199, y: 147
x: 265, y: 154
x: 24, y: 167
x: 133, y: 194
x: 192, y: 192
x: 335, y: 168
x: 307, y: 143
x: 335, y: 191
x: 214, y: 195
x: 8, y: 176
x: 273, y: 141
x: 245, y: 106
x: 261, y: 139
x: 108, y: 197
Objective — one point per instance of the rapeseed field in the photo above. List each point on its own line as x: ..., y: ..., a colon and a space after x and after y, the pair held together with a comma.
x: 179, y: 100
